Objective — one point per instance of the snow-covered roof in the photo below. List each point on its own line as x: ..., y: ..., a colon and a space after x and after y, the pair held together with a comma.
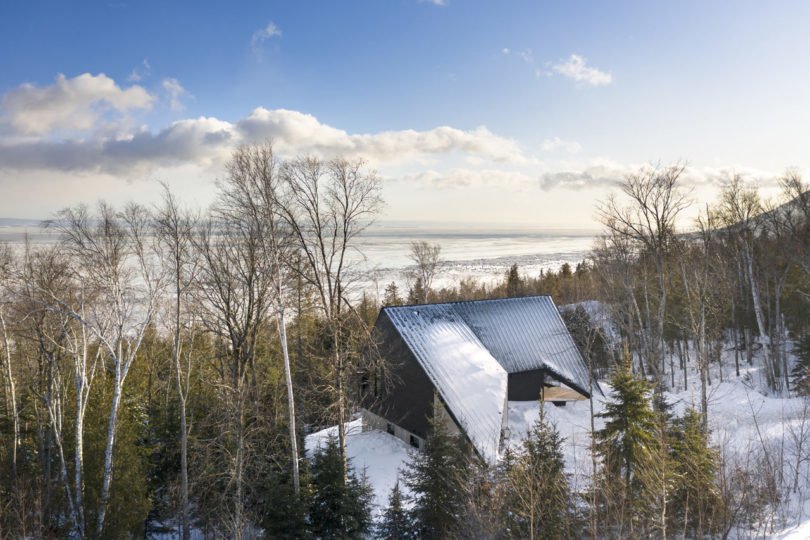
x: 469, y: 348
x: 469, y: 380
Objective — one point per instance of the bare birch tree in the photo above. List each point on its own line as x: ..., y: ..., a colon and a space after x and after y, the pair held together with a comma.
x: 175, y: 229
x: 112, y: 253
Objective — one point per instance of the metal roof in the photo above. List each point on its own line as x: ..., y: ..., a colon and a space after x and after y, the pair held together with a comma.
x: 469, y: 348
x: 469, y: 380
x: 525, y: 334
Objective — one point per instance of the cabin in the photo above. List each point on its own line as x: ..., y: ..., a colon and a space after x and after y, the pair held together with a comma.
x: 465, y: 361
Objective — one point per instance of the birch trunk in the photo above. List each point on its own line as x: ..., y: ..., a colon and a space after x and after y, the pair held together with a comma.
x: 15, y: 415
x: 282, y: 332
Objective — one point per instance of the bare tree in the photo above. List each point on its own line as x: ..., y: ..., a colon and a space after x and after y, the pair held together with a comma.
x: 10, y: 387
x: 49, y: 299
x: 655, y: 202
x: 251, y: 192
x: 113, y: 255
x: 739, y: 208
x: 426, y: 260
x: 234, y: 287
x: 175, y: 230
x: 327, y: 205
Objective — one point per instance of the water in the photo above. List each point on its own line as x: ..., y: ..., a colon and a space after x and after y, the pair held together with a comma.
x: 478, y: 251
x: 484, y: 252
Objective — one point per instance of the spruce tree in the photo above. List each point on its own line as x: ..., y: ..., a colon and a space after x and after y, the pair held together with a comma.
x: 801, y: 371
x: 285, y: 513
x: 539, y: 500
x: 396, y: 524
x: 437, y: 481
x: 697, y: 499
x: 339, y: 510
x: 631, y: 489
x: 630, y: 423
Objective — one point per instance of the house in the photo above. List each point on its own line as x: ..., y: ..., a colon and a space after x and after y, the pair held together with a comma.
x: 465, y: 361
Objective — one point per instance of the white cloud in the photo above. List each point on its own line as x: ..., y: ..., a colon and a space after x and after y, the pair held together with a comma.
x: 505, y: 50
x: 576, y: 68
x: 263, y: 34
x: 175, y: 93
x: 555, y: 143
x: 69, y: 104
x: 205, y: 141
x: 457, y: 178
x: 434, y: 2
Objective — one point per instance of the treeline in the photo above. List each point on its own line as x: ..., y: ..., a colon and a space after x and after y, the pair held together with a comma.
x: 160, y: 367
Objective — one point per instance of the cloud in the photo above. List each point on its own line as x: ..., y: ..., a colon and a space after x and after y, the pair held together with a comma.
x: 605, y: 173
x: 263, y: 34
x: 597, y: 175
x: 209, y: 141
x: 75, y: 104
x: 140, y: 72
x: 175, y: 92
x: 577, y: 69
x: 434, y: 2
x: 555, y: 143
x: 457, y: 178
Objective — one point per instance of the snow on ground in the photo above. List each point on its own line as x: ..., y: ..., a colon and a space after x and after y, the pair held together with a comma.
x: 747, y: 422
x: 379, y: 455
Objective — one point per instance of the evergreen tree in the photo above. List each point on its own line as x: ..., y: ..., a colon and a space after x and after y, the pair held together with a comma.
x: 339, y: 509
x: 437, y: 480
x: 801, y: 371
x: 630, y: 423
x: 633, y: 484
x: 391, y: 295
x: 514, y: 284
x: 417, y: 293
x: 696, y: 499
x: 539, y: 500
x: 396, y: 523
x: 286, y: 514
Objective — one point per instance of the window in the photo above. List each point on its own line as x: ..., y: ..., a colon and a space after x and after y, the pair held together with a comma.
x: 390, y: 429
x: 414, y: 441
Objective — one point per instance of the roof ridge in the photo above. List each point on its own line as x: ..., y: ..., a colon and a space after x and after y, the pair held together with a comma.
x: 474, y: 301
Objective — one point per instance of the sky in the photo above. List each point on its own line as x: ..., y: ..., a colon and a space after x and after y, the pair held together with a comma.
x: 481, y: 112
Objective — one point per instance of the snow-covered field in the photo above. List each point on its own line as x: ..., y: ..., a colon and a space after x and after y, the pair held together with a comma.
x: 746, y: 423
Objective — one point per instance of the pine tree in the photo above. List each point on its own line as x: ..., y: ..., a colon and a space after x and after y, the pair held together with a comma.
x: 396, y: 523
x: 437, y: 480
x: 539, y: 500
x: 339, y: 509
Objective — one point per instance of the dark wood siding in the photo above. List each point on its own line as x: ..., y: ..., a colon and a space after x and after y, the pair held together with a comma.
x: 526, y: 385
x: 404, y: 394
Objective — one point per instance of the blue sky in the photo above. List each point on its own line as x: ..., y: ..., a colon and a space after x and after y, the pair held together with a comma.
x: 492, y: 112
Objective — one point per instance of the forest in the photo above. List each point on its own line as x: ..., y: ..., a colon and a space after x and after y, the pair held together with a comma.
x: 161, y: 366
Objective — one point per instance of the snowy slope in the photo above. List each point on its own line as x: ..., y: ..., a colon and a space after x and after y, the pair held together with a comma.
x: 746, y: 421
